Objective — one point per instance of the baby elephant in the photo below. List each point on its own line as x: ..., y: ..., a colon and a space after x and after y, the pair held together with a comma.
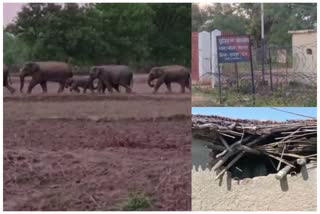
x: 80, y: 82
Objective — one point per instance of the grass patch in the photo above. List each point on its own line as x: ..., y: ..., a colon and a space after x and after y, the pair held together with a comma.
x: 137, y: 202
x: 281, y: 97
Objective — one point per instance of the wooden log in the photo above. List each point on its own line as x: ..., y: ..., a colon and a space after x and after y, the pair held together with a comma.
x: 215, y: 147
x: 283, y: 172
x: 248, y: 150
x: 222, y: 160
x: 224, y: 142
x: 279, y: 159
x: 301, y: 161
x: 230, y: 164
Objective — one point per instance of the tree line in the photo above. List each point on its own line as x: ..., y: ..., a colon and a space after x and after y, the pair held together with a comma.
x: 245, y: 18
x: 105, y: 33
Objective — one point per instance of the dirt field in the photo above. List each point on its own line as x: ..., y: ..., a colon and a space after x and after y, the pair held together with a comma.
x: 97, y: 152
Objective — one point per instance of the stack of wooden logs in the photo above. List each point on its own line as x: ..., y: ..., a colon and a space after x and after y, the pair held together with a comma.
x: 290, y: 144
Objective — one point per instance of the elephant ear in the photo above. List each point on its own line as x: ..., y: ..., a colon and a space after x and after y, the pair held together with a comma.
x: 33, y: 67
x: 161, y: 71
x: 158, y: 71
x: 98, y: 71
x: 95, y: 72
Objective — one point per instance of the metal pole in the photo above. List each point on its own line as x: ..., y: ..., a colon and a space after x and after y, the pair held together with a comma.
x: 237, y: 76
x: 220, y: 93
x: 270, y: 61
x: 219, y: 73
x: 262, y: 43
x: 252, y: 76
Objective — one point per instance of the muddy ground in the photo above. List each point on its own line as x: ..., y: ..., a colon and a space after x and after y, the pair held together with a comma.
x: 93, y: 152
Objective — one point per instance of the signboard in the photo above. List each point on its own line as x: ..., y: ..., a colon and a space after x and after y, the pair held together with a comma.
x: 233, y: 48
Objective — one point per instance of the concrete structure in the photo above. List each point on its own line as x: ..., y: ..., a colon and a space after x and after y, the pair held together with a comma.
x: 265, y: 193
x: 195, y: 58
x: 204, y: 62
x: 295, y: 193
x: 304, y: 51
x: 204, y: 57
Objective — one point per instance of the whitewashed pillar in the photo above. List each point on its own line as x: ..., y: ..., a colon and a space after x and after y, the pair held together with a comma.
x: 204, y: 57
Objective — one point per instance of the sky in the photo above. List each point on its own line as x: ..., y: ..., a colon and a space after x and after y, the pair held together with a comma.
x: 10, y: 11
x: 257, y: 113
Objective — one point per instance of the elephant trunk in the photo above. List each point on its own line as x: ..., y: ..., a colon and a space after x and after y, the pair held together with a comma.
x: 21, y: 82
x: 150, y: 79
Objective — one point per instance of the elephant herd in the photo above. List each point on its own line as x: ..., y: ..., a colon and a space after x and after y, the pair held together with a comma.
x: 109, y: 77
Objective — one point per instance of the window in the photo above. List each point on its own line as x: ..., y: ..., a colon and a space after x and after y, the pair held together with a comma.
x: 309, y: 51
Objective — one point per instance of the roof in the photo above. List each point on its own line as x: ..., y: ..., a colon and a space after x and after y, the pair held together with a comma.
x: 302, y: 31
x: 289, y: 144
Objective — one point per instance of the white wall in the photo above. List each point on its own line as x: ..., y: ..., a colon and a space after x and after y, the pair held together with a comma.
x: 204, y: 57
x: 208, y: 66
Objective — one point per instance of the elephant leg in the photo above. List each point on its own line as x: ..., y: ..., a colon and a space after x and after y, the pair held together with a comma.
x: 157, y: 86
x: 128, y: 89
x: 61, y: 87
x: 75, y: 88
x: 182, y: 87
x: 44, y: 87
x: 10, y: 89
x: 118, y: 88
x: 92, y: 89
x: 32, y: 84
x: 188, y: 85
x: 108, y: 86
x: 168, y: 84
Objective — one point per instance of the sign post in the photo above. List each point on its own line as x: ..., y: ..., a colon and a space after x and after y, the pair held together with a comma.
x: 252, y: 77
x: 233, y: 49
x: 219, y: 73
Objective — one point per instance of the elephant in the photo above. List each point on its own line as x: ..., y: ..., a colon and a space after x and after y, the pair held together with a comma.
x: 113, y: 76
x: 168, y: 74
x: 6, y: 78
x: 42, y: 72
x: 102, y: 87
x: 80, y: 82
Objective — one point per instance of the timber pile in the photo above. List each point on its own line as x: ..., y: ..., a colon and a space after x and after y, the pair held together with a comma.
x: 290, y: 145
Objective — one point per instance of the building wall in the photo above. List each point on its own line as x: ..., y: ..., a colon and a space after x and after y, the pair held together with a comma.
x: 204, y: 57
x: 258, y: 194
x: 304, y: 65
x: 265, y: 193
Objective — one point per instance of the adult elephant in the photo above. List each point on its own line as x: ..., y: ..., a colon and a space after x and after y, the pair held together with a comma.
x: 43, y: 72
x: 6, y: 79
x: 113, y: 76
x: 169, y: 74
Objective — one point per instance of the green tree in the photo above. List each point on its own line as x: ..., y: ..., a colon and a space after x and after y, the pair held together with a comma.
x: 15, y: 51
x: 170, y: 41
x: 106, y: 33
x: 124, y: 27
x: 279, y: 18
x: 199, y: 17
